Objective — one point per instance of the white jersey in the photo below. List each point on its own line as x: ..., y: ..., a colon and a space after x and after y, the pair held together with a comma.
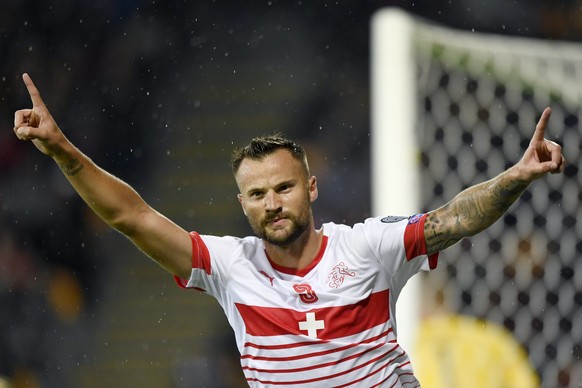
x: 329, y: 324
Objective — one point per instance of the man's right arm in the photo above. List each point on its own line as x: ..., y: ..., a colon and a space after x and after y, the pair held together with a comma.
x: 117, y: 203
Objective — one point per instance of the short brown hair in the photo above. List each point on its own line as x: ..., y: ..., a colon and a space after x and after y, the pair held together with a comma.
x: 259, y: 147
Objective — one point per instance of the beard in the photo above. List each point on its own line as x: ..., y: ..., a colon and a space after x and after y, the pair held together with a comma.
x: 284, y: 236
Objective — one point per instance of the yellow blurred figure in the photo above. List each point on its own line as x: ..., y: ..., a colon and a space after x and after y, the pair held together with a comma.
x: 461, y: 351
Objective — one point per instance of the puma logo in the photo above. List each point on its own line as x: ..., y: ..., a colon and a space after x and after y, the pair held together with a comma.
x: 267, y: 276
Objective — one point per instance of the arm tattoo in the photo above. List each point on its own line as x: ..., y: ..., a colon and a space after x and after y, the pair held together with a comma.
x: 471, y: 211
x: 72, y: 167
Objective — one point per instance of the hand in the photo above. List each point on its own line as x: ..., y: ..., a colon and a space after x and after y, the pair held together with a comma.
x: 542, y: 155
x: 37, y: 124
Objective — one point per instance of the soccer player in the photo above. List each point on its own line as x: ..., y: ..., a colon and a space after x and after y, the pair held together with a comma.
x: 309, y: 307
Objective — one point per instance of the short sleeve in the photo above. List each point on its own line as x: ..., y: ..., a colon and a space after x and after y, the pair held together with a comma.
x: 399, y: 242
x: 201, y: 265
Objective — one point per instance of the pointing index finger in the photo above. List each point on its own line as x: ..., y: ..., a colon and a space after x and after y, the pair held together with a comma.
x: 541, y: 126
x: 33, y: 91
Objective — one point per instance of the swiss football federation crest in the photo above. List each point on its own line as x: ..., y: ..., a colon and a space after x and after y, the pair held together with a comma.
x: 338, y: 274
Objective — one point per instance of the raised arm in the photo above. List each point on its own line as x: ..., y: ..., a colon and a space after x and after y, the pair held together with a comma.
x: 479, y: 206
x: 113, y: 200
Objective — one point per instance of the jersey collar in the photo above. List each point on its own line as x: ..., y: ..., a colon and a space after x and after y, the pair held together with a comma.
x: 303, y: 271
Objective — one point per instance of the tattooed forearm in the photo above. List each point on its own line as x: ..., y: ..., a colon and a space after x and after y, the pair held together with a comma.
x: 72, y: 167
x: 439, y: 234
x: 471, y: 211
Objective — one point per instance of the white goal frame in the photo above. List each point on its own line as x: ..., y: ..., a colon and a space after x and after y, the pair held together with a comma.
x: 393, y: 144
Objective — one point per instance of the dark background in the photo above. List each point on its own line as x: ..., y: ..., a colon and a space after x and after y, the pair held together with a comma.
x: 158, y: 93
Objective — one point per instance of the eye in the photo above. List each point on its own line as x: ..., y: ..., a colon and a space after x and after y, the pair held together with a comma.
x: 256, y: 194
x: 285, y: 187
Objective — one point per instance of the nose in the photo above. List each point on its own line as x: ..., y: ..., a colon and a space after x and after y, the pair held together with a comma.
x: 272, y: 201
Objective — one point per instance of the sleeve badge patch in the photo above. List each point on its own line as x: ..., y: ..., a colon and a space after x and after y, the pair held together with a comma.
x: 390, y: 219
x: 414, y: 219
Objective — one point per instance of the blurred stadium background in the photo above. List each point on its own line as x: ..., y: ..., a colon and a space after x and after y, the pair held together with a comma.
x: 159, y: 93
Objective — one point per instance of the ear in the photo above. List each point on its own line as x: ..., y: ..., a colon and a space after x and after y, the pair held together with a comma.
x: 313, y: 192
x: 240, y: 200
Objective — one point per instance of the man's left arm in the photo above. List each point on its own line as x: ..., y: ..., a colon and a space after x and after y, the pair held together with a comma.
x: 479, y: 206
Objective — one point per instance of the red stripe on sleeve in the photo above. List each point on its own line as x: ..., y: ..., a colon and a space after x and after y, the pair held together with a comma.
x: 200, y: 254
x: 200, y: 258
x: 415, y: 241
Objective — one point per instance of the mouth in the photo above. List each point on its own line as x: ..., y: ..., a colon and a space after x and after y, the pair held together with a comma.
x: 276, y: 221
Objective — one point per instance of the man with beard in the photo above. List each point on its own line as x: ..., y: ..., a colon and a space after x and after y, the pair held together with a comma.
x: 309, y: 307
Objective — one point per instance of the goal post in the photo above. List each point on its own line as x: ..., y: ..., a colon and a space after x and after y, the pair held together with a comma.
x: 450, y: 109
x: 393, y: 144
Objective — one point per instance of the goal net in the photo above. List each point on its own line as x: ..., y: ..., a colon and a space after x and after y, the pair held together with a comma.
x: 454, y: 108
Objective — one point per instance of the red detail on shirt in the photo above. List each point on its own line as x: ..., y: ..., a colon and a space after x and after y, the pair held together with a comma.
x: 355, y: 353
x: 415, y: 242
x: 306, y: 354
x: 271, y: 279
x: 306, y: 293
x: 302, y: 271
x: 386, y: 355
x: 200, y: 258
x: 340, y: 321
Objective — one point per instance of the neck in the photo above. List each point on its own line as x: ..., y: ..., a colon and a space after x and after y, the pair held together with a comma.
x: 300, y: 253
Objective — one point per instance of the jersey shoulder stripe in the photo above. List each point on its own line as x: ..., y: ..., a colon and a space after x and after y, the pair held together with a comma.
x: 415, y: 240
x: 200, y: 258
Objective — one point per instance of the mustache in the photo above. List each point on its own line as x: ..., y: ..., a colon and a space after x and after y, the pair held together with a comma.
x: 273, y: 216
